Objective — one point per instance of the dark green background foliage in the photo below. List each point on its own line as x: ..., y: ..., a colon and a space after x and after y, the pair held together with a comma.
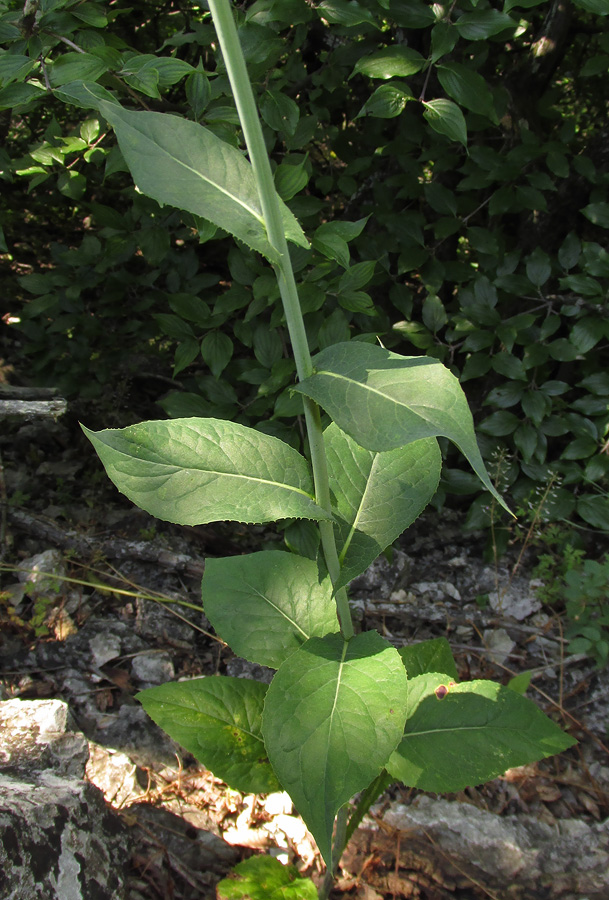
x: 449, y: 165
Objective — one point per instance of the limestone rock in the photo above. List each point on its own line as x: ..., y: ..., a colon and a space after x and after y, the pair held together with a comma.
x: 569, y: 861
x: 58, y: 839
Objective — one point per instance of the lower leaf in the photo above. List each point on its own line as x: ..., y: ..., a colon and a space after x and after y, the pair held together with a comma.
x: 332, y: 717
x: 457, y: 735
x: 217, y: 719
x: 265, y: 878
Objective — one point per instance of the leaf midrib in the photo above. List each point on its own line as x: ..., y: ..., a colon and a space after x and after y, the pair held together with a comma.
x: 215, y: 718
x: 279, y: 610
x: 339, y: 677
x: 200, y: 175
x: 367, y: 387
x: 176, y: 469
x: 359, y: 512
x: 434, y: 731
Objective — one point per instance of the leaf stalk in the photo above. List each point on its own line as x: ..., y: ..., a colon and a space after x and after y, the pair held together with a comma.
x: 250, y: 122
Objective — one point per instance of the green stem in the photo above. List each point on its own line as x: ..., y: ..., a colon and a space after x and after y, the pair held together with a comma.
x: 248, y: 115
x: 340, y: 842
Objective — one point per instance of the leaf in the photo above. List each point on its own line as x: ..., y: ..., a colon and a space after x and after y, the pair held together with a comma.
x: 476, y: 732
x: 76, y: 67
x: 217, y: 350
x: 193, y: 471
x: 482, y: 24
x: 279, y: 111
x: 377, y: 495
x: 265, y: 878
x: 14, y: 95
x: 333, y: 715
x: 594, y: 509
x: 83, y: 94
x: 186, y: 353
x: 384, y: 400
x: 218, y: 720
x: 446, y: 118
x: 570, y: 251
x: 597, y: 7
x: 390, y: 62
x: 468, y: 88
x: 387, y: 102
x: 444, y: 36
x: 429, y: 656
x: 357, y: 276
x: 597, y: 213
x: 345, y: 12
x: 290, y: 180
x: 500, y: 423
x: 266, y: 605
x: 179, y: 162
x: 328, y: 241
x: 539, y: 267
x: 520, y: 682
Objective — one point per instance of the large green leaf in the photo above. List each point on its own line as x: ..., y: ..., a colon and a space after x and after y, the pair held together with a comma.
x: 333, y: 715
x: 192, y: 471
x: 465, y: 734
x: 179, y: 162
x: 218, y: 720
x: 376, y: 495
x: 266, y: 605
x: 384, y: 400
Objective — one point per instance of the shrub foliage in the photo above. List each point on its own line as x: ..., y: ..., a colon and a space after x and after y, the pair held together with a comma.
x: 448, y: 163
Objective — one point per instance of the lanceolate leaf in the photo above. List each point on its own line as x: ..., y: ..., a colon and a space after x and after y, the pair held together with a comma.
x: 377, y: 495
x: 217, y: 719
x: 179, y: 162
x: 465, y: 734
x: 192, y: 471
x: 266, y: 605
x: 384, y: 400
x: 333, y: 715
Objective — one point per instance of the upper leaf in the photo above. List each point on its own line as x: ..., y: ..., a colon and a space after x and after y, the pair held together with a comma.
x: 333, y: 715
x: 266, y: 605
x: 179, y: 162
x: 384, y: 400
x: 377, y: 495
x: 217, y: 719
x: 192, y: 471
x: 458, y: 735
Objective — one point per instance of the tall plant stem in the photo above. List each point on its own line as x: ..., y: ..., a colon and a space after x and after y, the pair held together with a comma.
x: 248, y: 115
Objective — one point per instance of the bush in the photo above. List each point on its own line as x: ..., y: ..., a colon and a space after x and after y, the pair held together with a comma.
x: 448, y: 164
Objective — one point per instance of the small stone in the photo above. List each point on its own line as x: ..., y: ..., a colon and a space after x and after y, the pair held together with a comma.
x: 153, y: 668
x: 39, y: 570
x: 104, y: 647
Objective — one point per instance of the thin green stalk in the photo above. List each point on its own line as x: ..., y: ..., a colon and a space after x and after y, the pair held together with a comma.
x: 246, y: 106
